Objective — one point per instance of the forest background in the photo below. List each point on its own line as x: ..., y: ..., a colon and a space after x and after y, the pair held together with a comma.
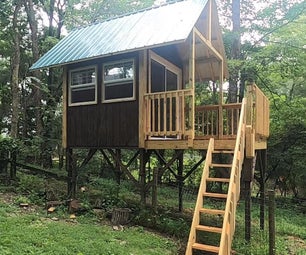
x: 264, y: 40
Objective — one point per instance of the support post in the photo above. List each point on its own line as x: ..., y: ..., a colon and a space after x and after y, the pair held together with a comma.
x: 142, y: 176
x: 154, y: 189
x: 13, y: 170
x: 247, y: 218
x: 271, y: 222
x: 72, y: 173
x: 180, y: 180
x: 262, y: 166
x: 118, y: 171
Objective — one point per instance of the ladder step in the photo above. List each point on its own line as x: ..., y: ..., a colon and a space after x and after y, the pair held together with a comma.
x: 211, y: 179
x: 212, y: 211
x: 205, y: 247
x: 223, y: 152
x: 209, y: 229
x: 221, y: 165
x: 215, y: 195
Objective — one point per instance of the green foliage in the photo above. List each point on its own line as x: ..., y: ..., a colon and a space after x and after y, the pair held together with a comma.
x: 32, y: 187
x: 7, y: 144
x: 164, y: 221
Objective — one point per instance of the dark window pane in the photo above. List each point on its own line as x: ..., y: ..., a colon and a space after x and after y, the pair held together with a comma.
x: 82, y: 95
x: 171, y: 81
x: 157, y: 77
x: 116, y: 91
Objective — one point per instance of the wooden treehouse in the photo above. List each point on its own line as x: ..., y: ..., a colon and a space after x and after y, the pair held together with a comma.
x: 130, y: 83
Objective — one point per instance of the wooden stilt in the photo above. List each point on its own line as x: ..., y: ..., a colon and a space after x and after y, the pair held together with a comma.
x: 118, y: 171
x: 246, y: 180
x: 180, y: 180
x: 262, y: 168
x: 72, y: 173
x: 13, y: 170
x: 247, y: 211
x: 154, y: 189
x: 142, y: 176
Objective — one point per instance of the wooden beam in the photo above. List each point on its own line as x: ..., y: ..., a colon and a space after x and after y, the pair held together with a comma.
x: 175, y: 157
x: 200, y: 144
x: 64, y: 113
x: 133, y: 158
x: 90, y: 154
x: 194, y: 167
x: 72, y: 173
x: 124, y: 169
x: 109, y: 162
x: 208, y: 44
x: 209, y: 19
x: 180, y: 180
x: 162, y: 159
x: 143, y: 73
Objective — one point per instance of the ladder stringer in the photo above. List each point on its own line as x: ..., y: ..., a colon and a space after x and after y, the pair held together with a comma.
x: 199, y: 203
x: 228, y: 228
x: 228, y: 212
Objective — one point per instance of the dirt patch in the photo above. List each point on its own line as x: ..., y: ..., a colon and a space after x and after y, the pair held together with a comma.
x: 295, y: 243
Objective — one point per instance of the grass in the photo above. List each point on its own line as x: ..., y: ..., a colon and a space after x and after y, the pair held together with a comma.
x: 24, y: 232
x: 32, y: 231
x: 290, y: 232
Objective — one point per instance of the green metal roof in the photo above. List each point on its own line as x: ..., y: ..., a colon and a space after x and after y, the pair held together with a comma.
x: 171, y: 23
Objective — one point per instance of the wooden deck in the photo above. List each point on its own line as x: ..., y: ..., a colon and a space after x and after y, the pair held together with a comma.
x: 169, y: 123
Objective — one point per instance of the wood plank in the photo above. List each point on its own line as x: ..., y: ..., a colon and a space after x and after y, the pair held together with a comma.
x: 223, y: 152
x: 210, y: 179
x: 205, y: 247
x: 212, y: 211
x: 214, y: 195
x: 143, y: 72
x: 198, y: 144
x: 64, y: 114
x: 209, y: 229
x: 221, y: 165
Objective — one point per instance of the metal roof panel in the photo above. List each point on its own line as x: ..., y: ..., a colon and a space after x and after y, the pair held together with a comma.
x: 165, y: 24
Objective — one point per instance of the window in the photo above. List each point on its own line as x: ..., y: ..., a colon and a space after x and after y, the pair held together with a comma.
x: 164, y: 76
x: 83, y: 86
x: 118, y: 81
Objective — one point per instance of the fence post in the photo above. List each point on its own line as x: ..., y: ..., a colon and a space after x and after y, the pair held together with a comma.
x: 271, y: 195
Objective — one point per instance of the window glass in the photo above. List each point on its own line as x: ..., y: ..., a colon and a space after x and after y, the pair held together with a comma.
x: 118, y: 81
x: 83, y: 86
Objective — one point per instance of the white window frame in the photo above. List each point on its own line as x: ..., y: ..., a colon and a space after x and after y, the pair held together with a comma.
x: 119, y: 81
x: 83, y: 85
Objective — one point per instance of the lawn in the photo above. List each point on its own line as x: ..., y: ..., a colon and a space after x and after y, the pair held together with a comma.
x: 32, y: 231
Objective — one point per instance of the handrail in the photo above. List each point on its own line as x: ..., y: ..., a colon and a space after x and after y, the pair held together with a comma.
x: 199, y: 202
x: 228, y: 228
x: 260, y: 114
x: 166, y: 113
x: 207, y: 121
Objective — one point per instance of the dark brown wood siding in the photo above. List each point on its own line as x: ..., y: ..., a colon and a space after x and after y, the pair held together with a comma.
x: 104, y: 124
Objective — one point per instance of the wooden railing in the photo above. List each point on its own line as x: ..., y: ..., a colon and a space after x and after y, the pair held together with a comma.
x: 168, y: 113
x: 228, y: 227
x: 215, y: 121
x: 199, y: 202
x: 260, y: 115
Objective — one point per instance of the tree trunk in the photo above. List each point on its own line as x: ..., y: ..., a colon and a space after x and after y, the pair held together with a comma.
x: 235, y: 52
x: 45, y: 157
x: 15, y: 73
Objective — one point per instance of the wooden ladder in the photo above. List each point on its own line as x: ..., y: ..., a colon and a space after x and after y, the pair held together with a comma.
x: 218, y: 221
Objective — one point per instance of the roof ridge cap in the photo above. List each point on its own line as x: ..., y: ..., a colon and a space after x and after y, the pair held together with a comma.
x: 129, y: 14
